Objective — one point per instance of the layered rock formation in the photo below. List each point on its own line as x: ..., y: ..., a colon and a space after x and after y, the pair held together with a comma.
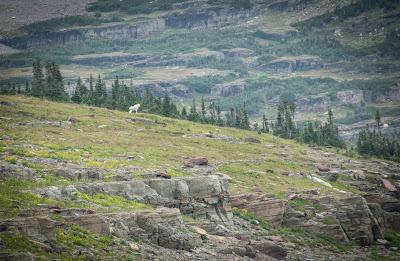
x: 292, y: 64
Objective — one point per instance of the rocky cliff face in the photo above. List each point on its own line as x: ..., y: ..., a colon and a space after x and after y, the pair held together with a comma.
x: 208, y: 18
x: 288, y: 65
x: 217, y: 16
x: 118, y: 31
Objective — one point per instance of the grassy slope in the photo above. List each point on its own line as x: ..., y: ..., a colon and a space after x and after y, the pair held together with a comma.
x: 104, y: 138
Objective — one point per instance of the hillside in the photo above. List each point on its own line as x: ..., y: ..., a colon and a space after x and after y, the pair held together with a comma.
x: 324, y: 54
x: 81, y: 182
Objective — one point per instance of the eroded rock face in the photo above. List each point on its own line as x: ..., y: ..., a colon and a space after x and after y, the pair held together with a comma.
x: 163, y: 226
x: 204, y: 197
x: 315, y: 103
x: 272, y: 210
x: 350, y: 97
x: 110, y: 31
x: 227, y: 89
x: 41, y: 229
x: 344, y: 218
x: 212, y: 17
x: 14, y: 171
x: 292, y: 64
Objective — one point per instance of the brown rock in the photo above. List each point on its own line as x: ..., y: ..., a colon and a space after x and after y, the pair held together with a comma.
x: 388, y: 185
x: 293, y: 196
x: 199, y: 161
x: 262, y: 206
x: 323, y: 168
x: 243, y: 237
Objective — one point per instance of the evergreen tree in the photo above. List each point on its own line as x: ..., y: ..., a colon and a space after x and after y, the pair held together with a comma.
x: 220, y: 122
x: 193, y: 115
x: 378, y: 118
x: 245, y: 123
x: 265, y: 127
x: 100, y: 93
x: 184, y: 113
x: 203, y: 110
x: 76, y: 96
x: 38, y: 80
x: 54, y: 84
x: 115, y: 93
x: 166, y: 105
x: 27, y: 90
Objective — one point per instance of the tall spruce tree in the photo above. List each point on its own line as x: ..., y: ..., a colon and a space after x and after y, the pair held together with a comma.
x: 378, y: 118
x: 38, y: 79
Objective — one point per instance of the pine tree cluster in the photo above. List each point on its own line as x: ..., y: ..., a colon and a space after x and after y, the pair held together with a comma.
x: 315, y: 133
x: 374, y: 143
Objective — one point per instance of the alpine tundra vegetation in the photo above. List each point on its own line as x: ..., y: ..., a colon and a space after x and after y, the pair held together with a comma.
x: 263, y: 130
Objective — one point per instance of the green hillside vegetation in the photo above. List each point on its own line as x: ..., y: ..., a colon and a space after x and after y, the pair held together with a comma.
x: 104, y: 138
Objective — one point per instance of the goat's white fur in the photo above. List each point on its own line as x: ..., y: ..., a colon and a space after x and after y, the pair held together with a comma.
x: 134, y: 108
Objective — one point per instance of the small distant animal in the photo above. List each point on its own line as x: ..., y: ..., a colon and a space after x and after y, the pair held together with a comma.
x: 134, y: 108
x: 385, y: 125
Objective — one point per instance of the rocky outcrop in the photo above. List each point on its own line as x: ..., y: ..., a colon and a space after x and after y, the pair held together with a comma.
x: 227, y: 89
x: 343, y: 218
x: 350, y: 97
x: 202, y: 197
x: 292, y: 64
x: 261, y: 205
x: 163, y: 227
x: 314, y: 103
x: 120, y: 31
x: 212, y: 17
x: 8, y: 170
x: 237, y: 52
x: 110, y: 59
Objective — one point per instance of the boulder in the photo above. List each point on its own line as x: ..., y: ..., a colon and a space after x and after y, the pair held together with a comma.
x: 197, y: 161
x: 323, y: 168
x: 264, y: 207
x: 271, y: 249
x: 388, y: 185
x: 41, y: 229
x: 8, y: 170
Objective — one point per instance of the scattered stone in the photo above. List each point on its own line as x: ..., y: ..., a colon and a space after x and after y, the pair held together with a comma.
x: 163, y: 175
x: 8, y: 170
x: 275, y: 238
x: 271, y: 249
x: 252, y: 140
x: 330, y: 176
x: 199, y: 231
x: 72, y: 120
x: 197, y: 161
x: 6, y: 103
x: 135, y: 247
x: 293, y: 196
x: 243, y: 237
x: 388, y: 185
x: 382, y: 241
x: 130, y: 157
x: 323, y: 168
x: 285, y: 173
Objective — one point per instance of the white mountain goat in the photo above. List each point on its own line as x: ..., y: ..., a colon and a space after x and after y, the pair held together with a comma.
x: 134, y: 108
